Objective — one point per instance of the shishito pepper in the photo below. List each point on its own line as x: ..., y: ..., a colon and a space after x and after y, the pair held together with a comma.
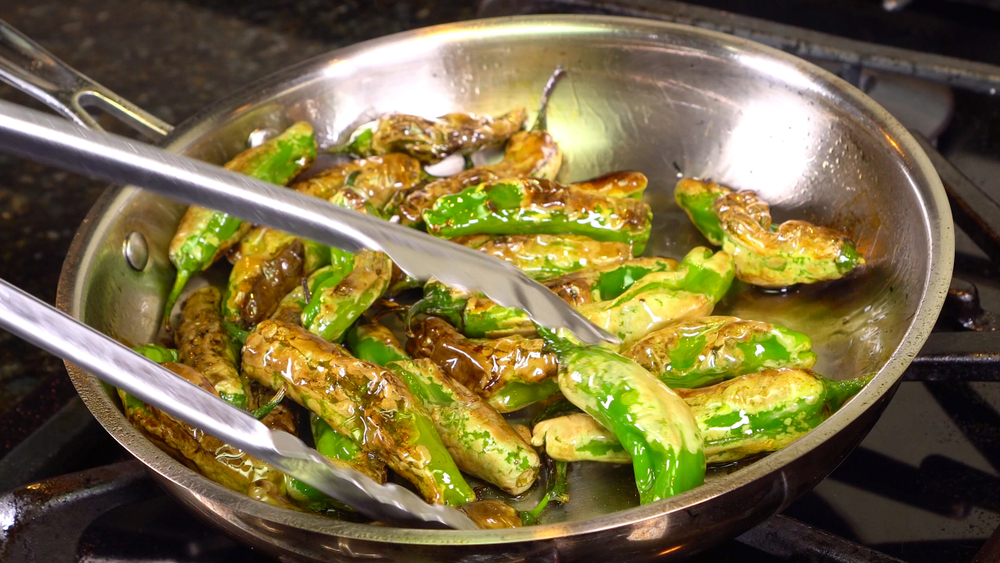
x: 693, y: 353
x: 344, y: 452
x: 290, y: 307
x: 509, y: 373
x: 376, y: 179
x: 625, y: 183
x: 204, y: 344
x: 159, y: 354
x: 431, y: 140
x: 648, y: 418
x: 766, y: 255
x: 360, y: 400
x: 646, y: 304
x: 204, y: 235
x: 752, y: 414
x: 481, y: 442
x: 336, y: 304
x: 220, y: 462
x: 531, y: 206
x: 543, y: 257
x: 271, y: 263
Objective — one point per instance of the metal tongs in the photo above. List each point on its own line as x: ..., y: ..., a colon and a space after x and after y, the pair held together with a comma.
x: 100, y: 155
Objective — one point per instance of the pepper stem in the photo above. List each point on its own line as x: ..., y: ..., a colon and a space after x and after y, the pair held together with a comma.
x: 182, y: 278
x: 838, y: 392
x: 555, y: 490
x: 541, y: 122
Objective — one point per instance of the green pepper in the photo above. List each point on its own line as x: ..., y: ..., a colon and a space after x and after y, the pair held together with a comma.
x: 751, y: 414
x: 651, y: 421
x: 509, y: 373
x: 204, y: 235
x: 271, y: 263
x: 377, y: 179
x: 290, y: 307
x: 478, y: 438
x: 204, y: 345
x: 693, y: 353
x: 344, y: 452
x: 360, y: 400
x: 530, y: 206
x: 658, y: 296
x: 764, y: 254
x: 336, y: 304
x: 159, y: 354
x: 543, y: 257
x: 376, y: 344
x: 432, y: 140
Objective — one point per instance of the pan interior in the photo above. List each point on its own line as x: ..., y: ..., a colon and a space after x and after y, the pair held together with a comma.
x: 665, y: 100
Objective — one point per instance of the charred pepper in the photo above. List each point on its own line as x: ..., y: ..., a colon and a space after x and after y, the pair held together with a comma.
x: 751, y: 414
x: 509, y: 373
x: 376, y: 179
x: 204, y: 344
x: 531, y: 206
x: 693, y: 353
x: 290, y: 307
x: 543, y: 257
x: 360, y: 400
x: 766, y: 255
x: 204, y: 235
x: 432, y: 140
x: 337, y: 303
x: 648, y: 418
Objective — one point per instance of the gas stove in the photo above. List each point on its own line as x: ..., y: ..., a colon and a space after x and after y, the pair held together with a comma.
x: 923, y: 486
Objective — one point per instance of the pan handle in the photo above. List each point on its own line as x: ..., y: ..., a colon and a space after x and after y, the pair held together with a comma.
x: 25, y: 65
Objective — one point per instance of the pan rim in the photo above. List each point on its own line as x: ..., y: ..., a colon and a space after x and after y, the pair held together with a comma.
x: 937, y: 217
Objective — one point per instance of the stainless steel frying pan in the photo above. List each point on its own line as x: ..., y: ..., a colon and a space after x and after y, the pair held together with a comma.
x: 664, y: 99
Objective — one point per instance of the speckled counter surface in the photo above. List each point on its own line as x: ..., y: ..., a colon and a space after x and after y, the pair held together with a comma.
x: 171, y: 58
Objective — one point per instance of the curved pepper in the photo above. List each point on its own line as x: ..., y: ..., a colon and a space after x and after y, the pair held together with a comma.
x: 625, y: 183
x: 651, y: 421
x: 271, y: 263
x: 431, y: 140
x: 764, y: 254
x: 752, y: 414
x: 543, y: 257
x: 376, y: 344
x: 478, y: 438
x: 204, y: 235
x: 336, y: 304
x: 509, y: 373
x: 693, y: 353
x: 360, y: 400
x: 290, y: 307
x: 204, y: 345
x: 377, y: 179
x: 530, y: 206
x: 159, y: 354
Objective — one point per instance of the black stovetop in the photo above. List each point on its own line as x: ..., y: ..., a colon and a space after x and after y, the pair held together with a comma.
x: 923, y: 486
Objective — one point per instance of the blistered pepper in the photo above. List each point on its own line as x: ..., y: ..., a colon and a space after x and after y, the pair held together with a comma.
x: 204, y: 235
x: 204, y: 344
x: 766, y: 255
x: 509, y: 373
x: 336, y: 304
x: 531, y: 206
x: 543, y: 257
x: 360, y: 400
x: 270, y: 264
x: 290, y: 307
x: 432, y: 140
x: 653, y: 423
x: 693, y: 353
x: 481, y: 442
x: 751, y: 414
x: 159, y: 354
x: 376, y: 179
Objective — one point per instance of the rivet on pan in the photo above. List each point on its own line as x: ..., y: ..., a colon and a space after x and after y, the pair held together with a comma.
x: 136, y: 250
x: 258, y: 136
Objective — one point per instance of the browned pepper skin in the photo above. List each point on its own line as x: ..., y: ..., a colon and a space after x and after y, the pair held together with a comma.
x: 204, y: 345
x: 376, y: 178
x: 358, y: 399
x: 529, y: 154
x: 492, y: 514
x: 484, y: 366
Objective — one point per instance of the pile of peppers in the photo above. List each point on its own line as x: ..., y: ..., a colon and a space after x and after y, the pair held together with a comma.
x: 294, y: 337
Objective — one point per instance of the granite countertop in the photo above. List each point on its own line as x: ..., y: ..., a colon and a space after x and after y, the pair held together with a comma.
x: 171, y: 58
